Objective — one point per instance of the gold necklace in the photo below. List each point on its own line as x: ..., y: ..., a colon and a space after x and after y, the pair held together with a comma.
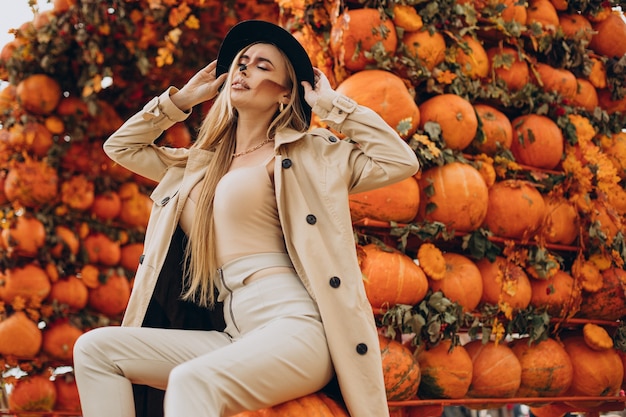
x: 254, y: 148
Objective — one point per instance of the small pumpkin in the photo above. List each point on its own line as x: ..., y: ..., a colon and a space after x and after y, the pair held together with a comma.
x: 356, y: 32
x: 19, y: 336
x: 59, y: 339
x: 398, y: 202
x: 406, y: 17
x: 454, y: 194
x: 537, y: 141
x: 101, y: 249
x: 69, y: 291
x: 559, y: 295
x: 504, y: 283
x: 471, y: 57
x: 77, y: 192
x: 400, y: 370
x: 25, y: 237
x: 317, y: 404
x: 515, y: 209
x: 130, y: 255
x: 496, y: 129
x: 67, y: 242
x: 38, y: 93
x: 33, y: 393
x: 596, y: 337
x: 544, y: 14
x: 446, y: 372
x: 456, y: 118
x: 462, y: 282
x: 31, y: 183
x: 111, y: 297
x: 547, y: 369
x: 496, y: 371
x: 67, y: 393
x: 561, y: 223
x: 610, y: 36
x: 391, y: 277
x: 558, y: 80
x: 428, y: 49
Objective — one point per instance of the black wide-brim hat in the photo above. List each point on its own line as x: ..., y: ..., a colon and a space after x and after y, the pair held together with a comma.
x: 251, y: 31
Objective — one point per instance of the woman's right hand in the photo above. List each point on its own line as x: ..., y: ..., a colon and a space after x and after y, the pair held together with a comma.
x: 203, y: 86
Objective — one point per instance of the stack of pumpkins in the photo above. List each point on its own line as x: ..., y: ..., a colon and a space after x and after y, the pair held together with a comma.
x: 517, y: 111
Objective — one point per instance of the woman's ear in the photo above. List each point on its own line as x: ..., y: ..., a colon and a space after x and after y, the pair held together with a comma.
x: 285, y: 99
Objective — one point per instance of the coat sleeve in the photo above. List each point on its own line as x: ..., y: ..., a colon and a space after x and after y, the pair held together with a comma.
x: 132, y: 145
x: 380, y: 157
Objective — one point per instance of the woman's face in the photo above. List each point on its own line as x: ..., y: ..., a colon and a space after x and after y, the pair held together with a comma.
x: 264, y: 82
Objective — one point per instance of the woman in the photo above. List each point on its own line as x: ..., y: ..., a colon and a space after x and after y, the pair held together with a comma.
x: 263, y: 201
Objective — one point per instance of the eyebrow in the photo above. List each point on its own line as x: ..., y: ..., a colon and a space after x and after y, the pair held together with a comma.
x: 261, y: 59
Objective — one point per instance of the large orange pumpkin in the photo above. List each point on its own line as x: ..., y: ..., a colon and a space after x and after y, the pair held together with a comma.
x: 38, y: 93
x: 398, y: 202
x: 559, y: 294
x: 547, y: 369
x: 130, y: 254
x: 59, y: 339
x: 317, y: 404
x: 31, y: 183
x: 106, y: 206
x: 19, y: 336
x: 504, y: 283
x: 100, y: 248
x: 400, y: 370
x: 455, y: 116
x: 496, y: 371
x: 544, y: 14
x: 391, y: 277
x: 454, y: 194
x: 70, y: 291
x: 33, y: 393
x: 515, y: 209
x: 28, y: 281
x: 586, y: 95
x: 597, y: 373
x: 609, y: 302
x: 537, y: 141
x: 610, y: 36
x: 67, y: 393
x: 446, y: 373
x: 472, y: 58
x: 575, y: 26
x: 24, y: 237
x: 496, y: 129
x: 386, y: 94
x: 461, y: 283
x: 356, y: 32
x: 556, y: 80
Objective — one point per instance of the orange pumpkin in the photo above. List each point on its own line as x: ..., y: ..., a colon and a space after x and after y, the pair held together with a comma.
x: 69, y: 291
x: 575, y: 26
x: 496, y: 371
x: 130, y: 254
x: 428, y: 49
x: 33, y: 393
x: 106, y: 206
x: 544, y: 14
x: 32, y: 137
x: 136, y: 206
x: 29, y: 282
x: 38, y: 93
x: 461, y: 283
x: 456, y: 117
x: 614, y: 147
x: 515, y: 209
x: 391, y: 277
x: 100, y: 248
x: 597, y: 373
x: 557, y: 80
x: 454, y: 194
x: 31, y: 183
x: 559, y: 295
x: 610, y: 36
x: 67, y: 393
x: 356, y: 32
x: 398, y: 202
x: 59, y: 339
x: 318, y: 404
x: 609, y: 302
x: 406, y: 17
x: 446, y: 373
x: 77, y: 192
x: 472, y: 58
x: 610, y: 104
x: 537, y: 141
x: 67, y: 242
x: 586, y: 95
x: 111, y: 297
x: 561, y: 223
x: 19, y: 336
x: 495, y: 127
x: 400, y: 370
x: 504, y: 283
x: 386, y: 94
x: 176, y: 136
x: 24, y: 237
x: 547, y: 369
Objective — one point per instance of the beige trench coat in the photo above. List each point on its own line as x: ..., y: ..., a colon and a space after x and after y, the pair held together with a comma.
x: 314, y: 173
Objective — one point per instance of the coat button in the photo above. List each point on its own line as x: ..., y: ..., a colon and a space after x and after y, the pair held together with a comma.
x: 333, y: 139
x: 361, y: 348
x: 311, y: 219
x: 286, y: 163
x: 165, y: 201
x: 141, y: 258
x: 335, y: 282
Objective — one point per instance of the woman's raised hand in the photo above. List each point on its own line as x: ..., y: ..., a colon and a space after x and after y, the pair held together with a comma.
x: 203, y: 86
x: 321, y: 84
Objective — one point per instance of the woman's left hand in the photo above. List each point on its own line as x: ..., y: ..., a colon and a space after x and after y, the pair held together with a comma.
x: 311, y: 95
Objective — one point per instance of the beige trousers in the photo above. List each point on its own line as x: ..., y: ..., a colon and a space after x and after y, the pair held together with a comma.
x: 273, y: 349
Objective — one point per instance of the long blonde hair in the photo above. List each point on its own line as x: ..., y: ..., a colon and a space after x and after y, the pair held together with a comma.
x: 217, y: 134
